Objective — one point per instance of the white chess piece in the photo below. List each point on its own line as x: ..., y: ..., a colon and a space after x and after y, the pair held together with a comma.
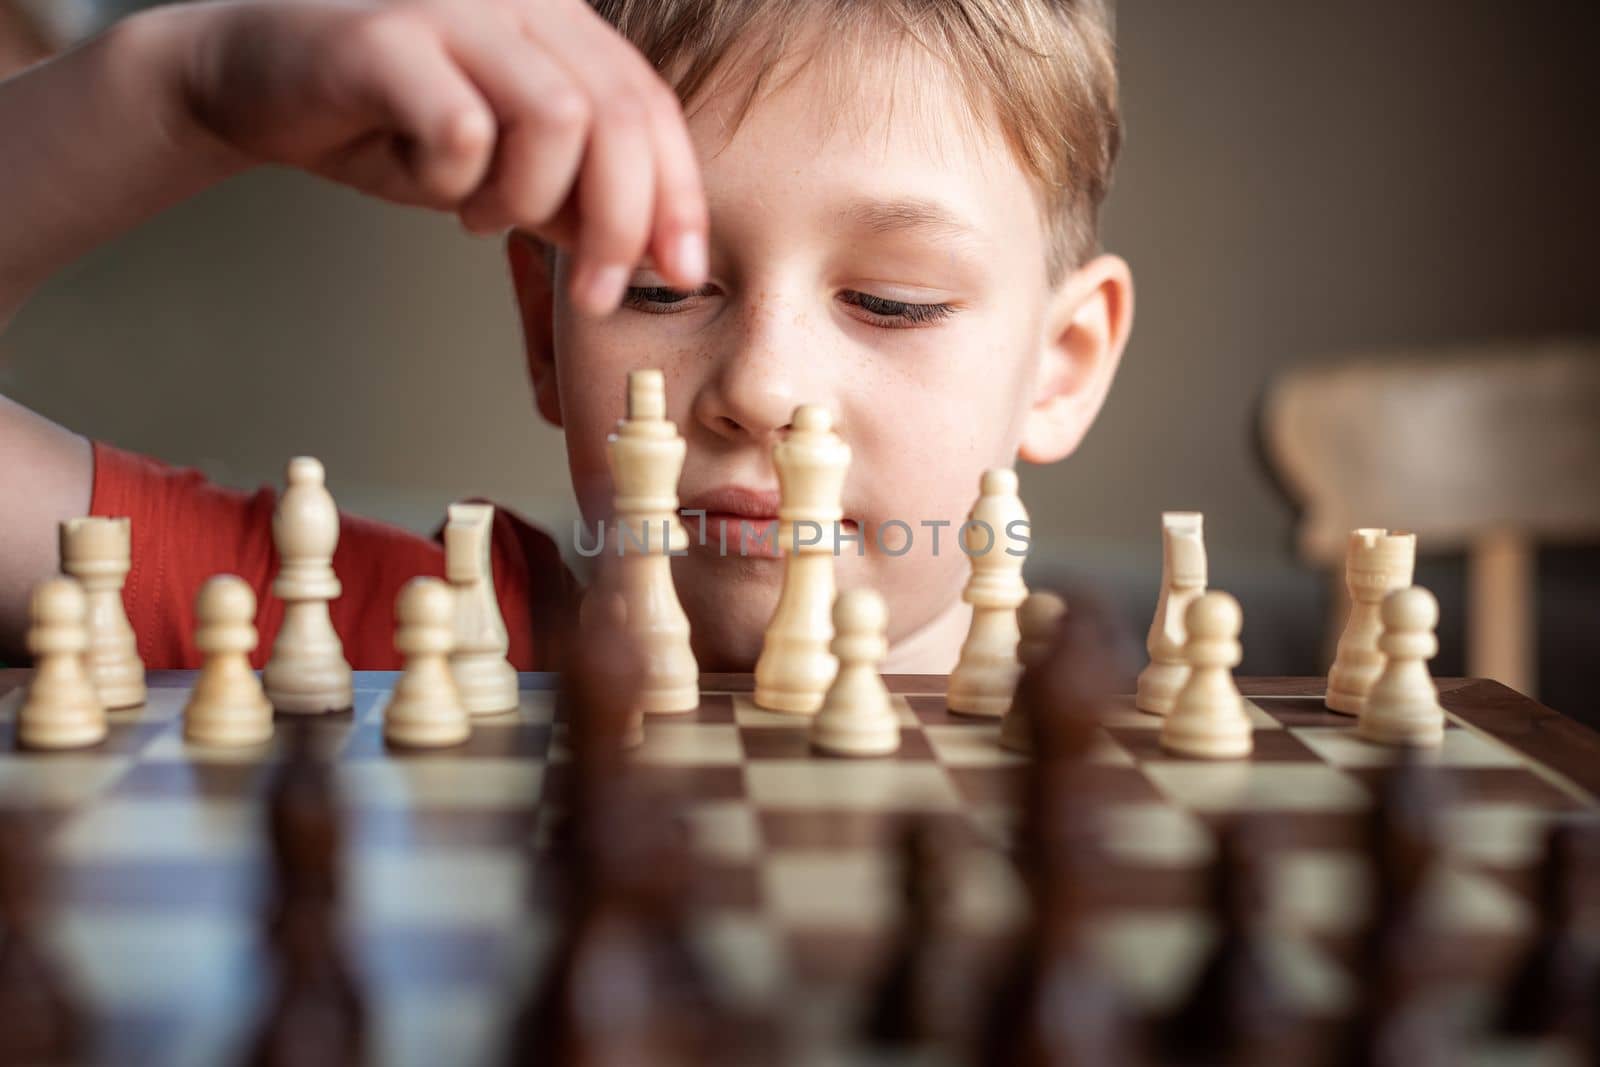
x: 1208, y: 718
x: 1402, y: 707
x: 857, y: 716
x: 1377, y: 562
x: 795, y: 667
x: 307, y: 671
x: 646, y: 454
x: 1183, y: 579
x: 97, y: 552
x: 227, y: 705
x: 987, y: 671
x: 486, y: 681
x: 425, y: 710
x: 61, y: 708
x: 1038, y: 619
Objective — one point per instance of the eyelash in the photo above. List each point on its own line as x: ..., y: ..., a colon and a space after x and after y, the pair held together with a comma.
x: 907, y: 314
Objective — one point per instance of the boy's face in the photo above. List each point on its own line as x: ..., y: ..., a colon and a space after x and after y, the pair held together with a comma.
x: 938, y: 346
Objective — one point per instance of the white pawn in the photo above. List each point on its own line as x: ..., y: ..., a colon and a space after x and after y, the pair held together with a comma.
x: 858, y: 716
x: 425, y: 709
x: 987, y: 672
x: 227, y: 705
x: 1208, y: 719
x: 61, y: 709
x: 1183, y: 579
x: 307, y: 671
x: 1402, y: 707
x: 1038, y: 619
x: 486, y: 681
x: 96, y: 551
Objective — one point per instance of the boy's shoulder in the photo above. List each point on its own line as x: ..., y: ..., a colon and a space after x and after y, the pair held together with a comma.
x: 185, y: 528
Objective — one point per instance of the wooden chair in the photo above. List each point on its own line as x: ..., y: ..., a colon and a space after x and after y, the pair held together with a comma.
x: 1490, y: 449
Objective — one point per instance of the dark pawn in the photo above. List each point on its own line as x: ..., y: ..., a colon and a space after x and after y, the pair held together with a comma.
x: 1397, y: 1022
x: 1550, y: 988
x: 1234, y: 1014
x: 907, y: 1006
x: 41, y: 1022
x: 1052, y: 1007
x: 623, y: 986
x: 316, y: 1014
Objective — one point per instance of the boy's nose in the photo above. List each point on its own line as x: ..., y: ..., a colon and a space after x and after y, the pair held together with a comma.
x: 755, y: 387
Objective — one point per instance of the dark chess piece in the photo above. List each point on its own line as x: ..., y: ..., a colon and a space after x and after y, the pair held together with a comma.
x: 1052, y: 1007
x: 1234, y: 1014
x: 41, y: 1021
x: 1549, y: 991
x: 906, y: 1007
x: 316, y: 1014
x: 1398, y: 1022
x: 623, y: 985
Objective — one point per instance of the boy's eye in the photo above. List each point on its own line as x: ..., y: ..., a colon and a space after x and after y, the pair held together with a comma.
x: 642, y: 296
x: 656, y: 299
x: 906, y: 314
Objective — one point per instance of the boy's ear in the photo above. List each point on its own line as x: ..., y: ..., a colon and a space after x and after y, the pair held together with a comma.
x: 1085, y: 329
x: 535, y: 289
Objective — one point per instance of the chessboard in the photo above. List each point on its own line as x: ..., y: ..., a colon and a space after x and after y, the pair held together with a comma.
x: 157, y: 854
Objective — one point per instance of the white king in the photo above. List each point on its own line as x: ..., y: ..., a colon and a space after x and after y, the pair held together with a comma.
x: 1376, y: 564
x: 987, y: 672
x: 796, y: 667
x: 646, y: 454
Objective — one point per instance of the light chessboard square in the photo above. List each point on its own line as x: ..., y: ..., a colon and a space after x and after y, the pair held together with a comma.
x: 1234, y: 785
x: 871, y: 785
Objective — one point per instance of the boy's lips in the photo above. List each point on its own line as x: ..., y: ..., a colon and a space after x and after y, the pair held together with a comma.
x: 733, y: 511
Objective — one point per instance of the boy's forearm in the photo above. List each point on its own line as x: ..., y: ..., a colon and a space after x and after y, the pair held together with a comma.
x: 94, y: 142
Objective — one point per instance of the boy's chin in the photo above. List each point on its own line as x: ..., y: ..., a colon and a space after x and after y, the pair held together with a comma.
x: 729, y: 602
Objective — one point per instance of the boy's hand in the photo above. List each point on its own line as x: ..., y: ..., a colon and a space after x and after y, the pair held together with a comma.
x: 532, y: 114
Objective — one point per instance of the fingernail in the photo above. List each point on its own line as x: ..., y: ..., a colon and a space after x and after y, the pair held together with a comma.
x: 691, y: 254
x: 604, y: 288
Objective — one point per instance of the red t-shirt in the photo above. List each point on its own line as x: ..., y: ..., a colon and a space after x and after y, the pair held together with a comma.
x: 185, y: 529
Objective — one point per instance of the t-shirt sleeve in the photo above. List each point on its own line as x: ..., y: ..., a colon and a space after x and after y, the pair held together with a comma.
x: 185, y: 529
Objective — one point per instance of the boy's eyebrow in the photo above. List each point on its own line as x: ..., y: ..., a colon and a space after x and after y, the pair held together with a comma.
x: 908, y: 214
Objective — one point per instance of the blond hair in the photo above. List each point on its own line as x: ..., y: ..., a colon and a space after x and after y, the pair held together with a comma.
x: 1045, y: 69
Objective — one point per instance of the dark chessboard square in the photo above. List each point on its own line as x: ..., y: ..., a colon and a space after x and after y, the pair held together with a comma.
x: 784, y: 830
x: 1487, y: 785
x: 932, y: 711
x: 1270, y: 745
x: 834, y: 958
x: 725, y: 887
x: 1002, y: 785
x: 717, y: 682
x: 681, y: 784
x: 1300, y: 831
x: 993, y: 786
x: 177, y: 679
x: 506, y: 738
x: 1303, y: 711
x: 714, y: 707
x: 202, y: 781
x: 1311, y: 711
x: 127, y: 733
x: 789, y: 742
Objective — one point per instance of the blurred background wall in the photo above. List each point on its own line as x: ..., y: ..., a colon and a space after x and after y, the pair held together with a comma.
x: 1301, y: 182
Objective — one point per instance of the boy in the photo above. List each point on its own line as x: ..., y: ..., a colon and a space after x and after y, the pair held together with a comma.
x: 900, y: 200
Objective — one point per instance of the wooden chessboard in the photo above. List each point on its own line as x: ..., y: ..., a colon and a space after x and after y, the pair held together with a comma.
x: 159, y: 855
